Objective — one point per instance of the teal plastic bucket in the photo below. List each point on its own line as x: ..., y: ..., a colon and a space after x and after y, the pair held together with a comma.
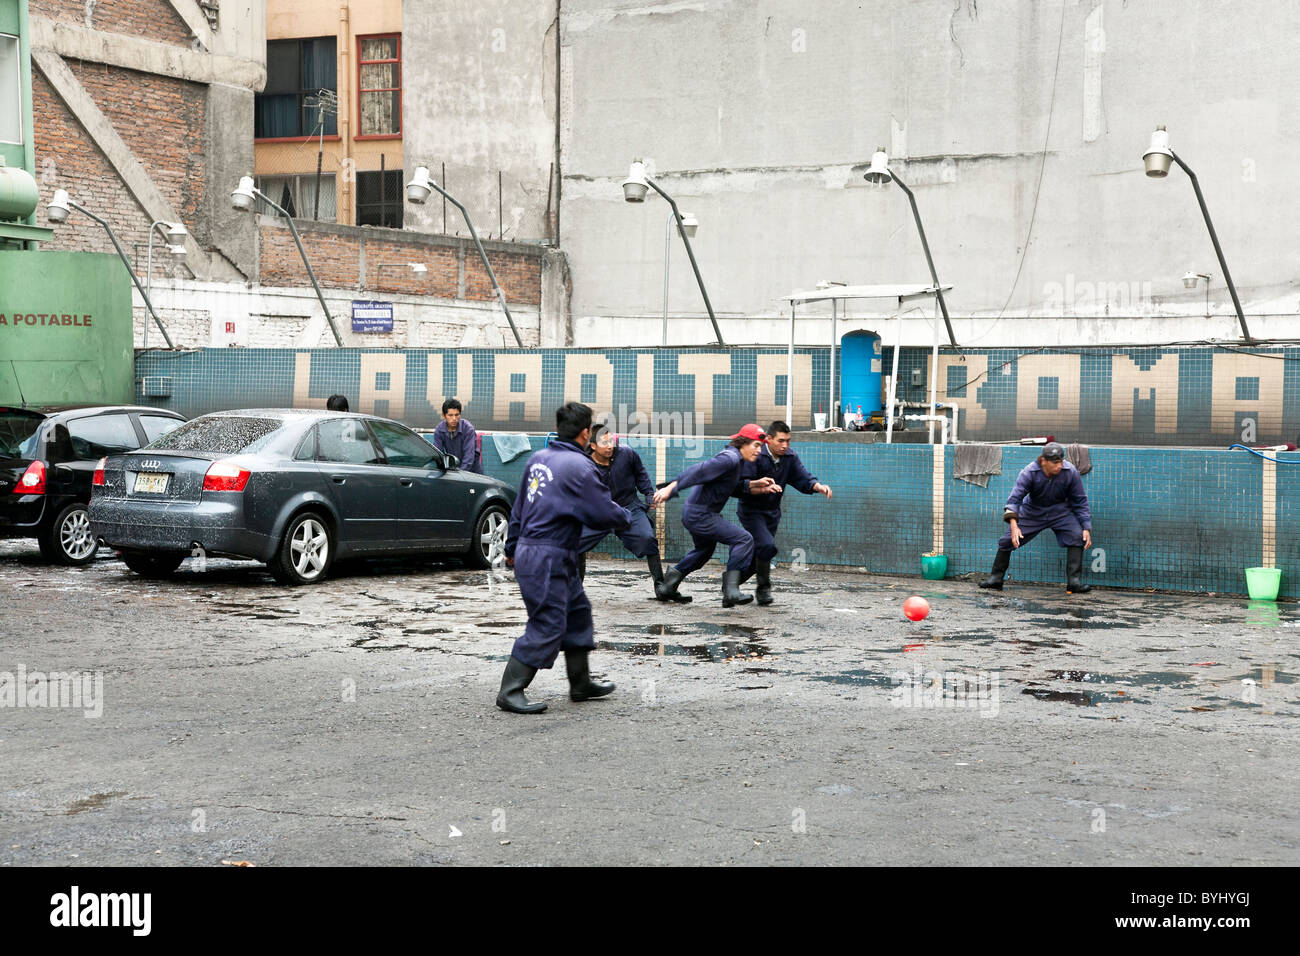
x: 934, y: 566
x: 1263, y: 583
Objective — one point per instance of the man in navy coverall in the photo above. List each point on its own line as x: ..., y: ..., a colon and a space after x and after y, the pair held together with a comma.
x: 560, y: 493
x: 456, y: 436
x: 760, y: 513
x: 1048, y: 494
x: 715, y: 481
x: 628, y: 481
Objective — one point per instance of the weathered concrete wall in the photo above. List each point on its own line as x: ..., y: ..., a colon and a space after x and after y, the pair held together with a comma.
x: 1020, y: 126
x: 479, y: 96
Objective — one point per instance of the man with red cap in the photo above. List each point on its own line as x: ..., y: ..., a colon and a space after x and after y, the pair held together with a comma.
x: 716, y: 480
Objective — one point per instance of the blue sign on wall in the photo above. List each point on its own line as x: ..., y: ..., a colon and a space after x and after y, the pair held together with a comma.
x: 372, y: 316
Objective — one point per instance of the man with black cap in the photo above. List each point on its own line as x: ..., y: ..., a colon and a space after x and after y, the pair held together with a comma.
x: 1048, y: 494
x: 560, y: 494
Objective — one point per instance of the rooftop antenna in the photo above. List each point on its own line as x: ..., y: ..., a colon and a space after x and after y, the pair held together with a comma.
x: 326, y: 103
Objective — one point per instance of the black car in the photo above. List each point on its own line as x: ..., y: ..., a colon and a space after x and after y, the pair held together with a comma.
x: 47, y: 457
x: 295, y: 489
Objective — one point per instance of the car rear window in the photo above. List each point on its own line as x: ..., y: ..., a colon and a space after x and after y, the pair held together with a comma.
x: 221, y: 435
x: 18, y: 432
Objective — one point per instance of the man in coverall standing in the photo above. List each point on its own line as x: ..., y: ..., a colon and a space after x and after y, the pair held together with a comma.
x: 561, y: 492
x: 760, y: 513
x: 1048, y: 494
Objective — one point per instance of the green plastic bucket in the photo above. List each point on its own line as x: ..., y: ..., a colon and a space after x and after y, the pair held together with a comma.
x: 1263, y: 583
x: 935, y: 566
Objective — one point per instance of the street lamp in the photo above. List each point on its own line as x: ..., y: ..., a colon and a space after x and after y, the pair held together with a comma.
x: 880, y: 174
x: 1157, y: 159
x: 58, y: 210
x: 1189, y: 282
x: 242, y: 199
x: 634, y: 190
x: 176, y: 235
x: 690, y: 225
x: 417, y: 192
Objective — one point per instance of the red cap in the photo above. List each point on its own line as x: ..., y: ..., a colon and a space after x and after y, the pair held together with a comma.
x: 753, y: 433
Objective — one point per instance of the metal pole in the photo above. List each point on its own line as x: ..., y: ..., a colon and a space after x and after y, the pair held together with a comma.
x: 833, y: 418
x: 691, y: 253
x: 338, y: 339
x: 934, y: 379
x: 928, y: 258
x: 501, y: 296
x: 1227, y: 276
x: 893, y: 381
x: 789, y: 374
x: 134, y: 278
x: 668, y: 239
x: 148, y: 276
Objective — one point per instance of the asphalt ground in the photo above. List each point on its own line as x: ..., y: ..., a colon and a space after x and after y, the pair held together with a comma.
x: 353, y: 723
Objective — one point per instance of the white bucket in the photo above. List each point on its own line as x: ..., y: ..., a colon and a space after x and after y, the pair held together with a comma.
x: 819, y: 421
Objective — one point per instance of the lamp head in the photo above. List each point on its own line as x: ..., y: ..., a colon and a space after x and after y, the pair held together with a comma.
x: 419, y: 268
x: 418, y: 189
x: 177, y: 251
x: 879, y: 173
x: 1158, y: 155
x: 1189, y: 280
x: 176, y: 233
x: 244, y: 194
x: 635, y: 186
x: 690, y: 225
x: 57, y: 211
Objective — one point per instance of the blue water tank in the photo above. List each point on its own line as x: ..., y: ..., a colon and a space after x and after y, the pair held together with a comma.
x: 860, y: 372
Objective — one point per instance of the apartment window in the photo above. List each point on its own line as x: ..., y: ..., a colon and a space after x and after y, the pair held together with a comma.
x: 380, y: 66
x: 296, y: 70
x: 11, y: 91
x: 297, y: 194
x: 379, y: 199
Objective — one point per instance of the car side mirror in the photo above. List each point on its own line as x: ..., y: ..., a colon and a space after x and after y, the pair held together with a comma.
x: 452, y: 463
x: 61, y: 444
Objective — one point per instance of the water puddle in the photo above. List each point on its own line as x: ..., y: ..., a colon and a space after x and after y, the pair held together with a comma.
x: 714, y: 652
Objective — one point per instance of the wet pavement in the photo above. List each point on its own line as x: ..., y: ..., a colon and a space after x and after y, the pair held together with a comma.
x: 352, y: 722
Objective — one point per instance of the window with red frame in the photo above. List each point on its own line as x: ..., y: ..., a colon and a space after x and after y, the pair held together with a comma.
x: 380, y: 67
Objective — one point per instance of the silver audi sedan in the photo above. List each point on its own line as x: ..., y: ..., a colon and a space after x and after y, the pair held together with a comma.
x: 295, y: 489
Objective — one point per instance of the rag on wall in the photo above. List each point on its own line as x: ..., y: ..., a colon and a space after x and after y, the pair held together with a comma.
x: 510, y: 445
x: 1079, y: 458
x: 977, y: 463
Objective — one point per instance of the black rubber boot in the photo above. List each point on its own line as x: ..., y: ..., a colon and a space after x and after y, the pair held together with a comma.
x: 763, y: 593
x: 1074, y: 572
x: 518, y: 675
x: 666, y: 590
x: 582, y: 566
x: 731, y: 593
x: 581, y: 686
x: 656, y: 568
x: 1000, y: 565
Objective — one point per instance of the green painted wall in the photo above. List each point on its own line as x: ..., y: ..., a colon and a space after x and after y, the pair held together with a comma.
x: 13, y: 21
x: 65, y: 329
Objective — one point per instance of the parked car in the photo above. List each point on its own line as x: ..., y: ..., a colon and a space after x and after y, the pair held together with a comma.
x: 47, y: 457
x: 296, y: 489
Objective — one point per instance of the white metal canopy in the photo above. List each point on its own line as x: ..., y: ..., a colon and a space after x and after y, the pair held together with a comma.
x: 835, y: 294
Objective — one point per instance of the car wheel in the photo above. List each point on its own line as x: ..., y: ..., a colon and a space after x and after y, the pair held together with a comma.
x: 489, y: 540
x: 305, y: 552
x: 68, y: 539
x: 153, y: 564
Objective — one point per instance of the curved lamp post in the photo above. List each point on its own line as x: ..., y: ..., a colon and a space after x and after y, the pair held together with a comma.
x: 879, y: 174
x: 1157, y: 159
x: 60, y: 208
x: 634, y: 190
x: 417, y: 192
x: 176, y: 235
x: 242, y: 199
x: 690, y: 225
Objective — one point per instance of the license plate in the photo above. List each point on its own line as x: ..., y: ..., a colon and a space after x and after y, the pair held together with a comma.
x: 151, y: 483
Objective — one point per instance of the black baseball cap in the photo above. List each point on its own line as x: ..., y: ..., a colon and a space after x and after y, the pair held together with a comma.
x: 1053, y: 451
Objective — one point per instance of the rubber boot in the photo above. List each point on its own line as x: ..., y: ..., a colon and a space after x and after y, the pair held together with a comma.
x: 1074, y: 572
x: 656, y: 568
x: 666, y: 590
x: 518, y: 675
x: 582, y: 566
x: 581, y: 686
x: 1000, y: 565
x: 731, y: 593
x: 763, y: 593
x: 657, y: 573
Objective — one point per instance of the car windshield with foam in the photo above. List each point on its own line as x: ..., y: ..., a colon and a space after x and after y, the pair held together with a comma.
x: 220, y: 435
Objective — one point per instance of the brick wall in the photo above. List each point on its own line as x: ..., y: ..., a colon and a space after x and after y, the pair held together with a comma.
x: 162, y: 121
x: 152, y: 19
x: 336, y: 257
